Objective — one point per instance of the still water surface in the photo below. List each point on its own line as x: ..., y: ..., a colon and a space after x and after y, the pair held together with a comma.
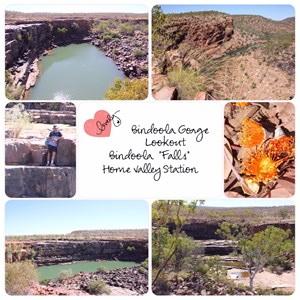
x: 75, y: 72
x: 52, y: 272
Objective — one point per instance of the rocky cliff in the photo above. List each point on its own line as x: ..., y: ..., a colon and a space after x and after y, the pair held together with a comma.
x: 207, y: 230
x: 25, y: 42
x: 50, y: 252
x: 33, y: 181
x: 199, y: 31
x: 24, y: 152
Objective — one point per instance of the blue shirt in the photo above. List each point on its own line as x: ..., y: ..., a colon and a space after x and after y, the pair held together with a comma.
x: 54, y: 135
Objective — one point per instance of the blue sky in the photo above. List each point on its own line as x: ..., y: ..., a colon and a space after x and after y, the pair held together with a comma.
x: 79, y: 8
x: 24, y: 217
x: 274, y: 12
x: 248, y: 202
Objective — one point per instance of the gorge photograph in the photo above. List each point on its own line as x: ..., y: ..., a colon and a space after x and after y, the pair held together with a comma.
x: 72, y: 248
x: 223, y: 52
x: 223, y: 247
x: 83, y: 52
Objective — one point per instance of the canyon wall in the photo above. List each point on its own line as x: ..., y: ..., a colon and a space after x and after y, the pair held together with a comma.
x: 25, y: 42
x: 33, y: 181
x: 50, y: 252
x: 207, y: 231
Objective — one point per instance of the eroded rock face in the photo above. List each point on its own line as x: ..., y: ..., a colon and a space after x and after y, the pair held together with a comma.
x: 20, y: 152
x: 24, y: 42
x: 51, y: 252
x: 32, y: 181
x: 201, y: 30
x: 66, y: 153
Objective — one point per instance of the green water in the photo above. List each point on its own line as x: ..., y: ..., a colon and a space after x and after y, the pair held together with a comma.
x: 75, y: 72
x: 52, y: 272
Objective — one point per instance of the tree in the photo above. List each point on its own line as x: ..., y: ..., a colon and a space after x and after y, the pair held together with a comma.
x: 169, y: 247
x: 283, y: 213
x: 260, y: 249
x: 264, y: 247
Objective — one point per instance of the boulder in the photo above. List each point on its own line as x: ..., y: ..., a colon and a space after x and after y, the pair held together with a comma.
x: 66, y: 153
x: 17, y: 153
x: 166, y: 93
x: 38, y: 155
x: 32, y: 181
x: 201, y: 96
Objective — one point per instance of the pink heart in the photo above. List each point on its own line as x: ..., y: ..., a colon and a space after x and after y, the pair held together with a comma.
x: 100, y: 126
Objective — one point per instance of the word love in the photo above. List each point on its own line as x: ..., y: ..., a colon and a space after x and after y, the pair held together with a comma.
x: 100, y: 126
x: 182, y: 129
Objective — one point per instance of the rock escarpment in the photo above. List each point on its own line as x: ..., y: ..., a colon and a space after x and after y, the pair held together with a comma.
x: 212, y: 244
x: 20, y: 152
x: 200, y: 31
x: 207, y: 230
x: 51, y: 252
x: 27, y: 176
x: 32, y: 181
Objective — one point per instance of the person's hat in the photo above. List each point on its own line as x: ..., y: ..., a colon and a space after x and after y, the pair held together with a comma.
x: 55, y: 127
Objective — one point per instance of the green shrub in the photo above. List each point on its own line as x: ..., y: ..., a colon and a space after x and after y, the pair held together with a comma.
x: 186, y: 81
x: 17, y: 120
x: 45, y: 281
x: 136, y: 89
x: 13, y: 92
x: 97, y: 287
x: 64, y: 274
x: 19, y: 277
x: 106, y: 37
x: 101, y: 269
x: 138, y: 53
x: 62, y: 30
x: 130, y: 248
x: 100, y: 26
x: 127, y: 29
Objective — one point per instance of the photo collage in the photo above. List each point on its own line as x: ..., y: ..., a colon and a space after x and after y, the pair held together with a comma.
x: 149, y: 149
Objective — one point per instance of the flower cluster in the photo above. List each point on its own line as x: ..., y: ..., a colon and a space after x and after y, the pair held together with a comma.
x: 263, y: 165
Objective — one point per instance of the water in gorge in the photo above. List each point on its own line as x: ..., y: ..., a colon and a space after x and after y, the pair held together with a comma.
x: 75, y: 72
x: 52, y: 272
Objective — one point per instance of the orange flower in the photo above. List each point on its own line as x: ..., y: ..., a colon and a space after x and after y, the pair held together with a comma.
x: 260, y: 166
x: 252, y: 134
x: 281, y: 148
x: 263, y: 164
x: 242, y: 104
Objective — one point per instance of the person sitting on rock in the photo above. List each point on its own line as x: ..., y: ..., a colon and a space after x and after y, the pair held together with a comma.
x: 54, y: 136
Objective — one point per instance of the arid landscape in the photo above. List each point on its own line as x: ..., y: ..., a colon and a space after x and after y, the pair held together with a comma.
x: 210, y: 55
x: 81, y: 258
x: 53, y: 259
x: 199, y: 249
x: 259, y: 150
x: 122, y: 40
